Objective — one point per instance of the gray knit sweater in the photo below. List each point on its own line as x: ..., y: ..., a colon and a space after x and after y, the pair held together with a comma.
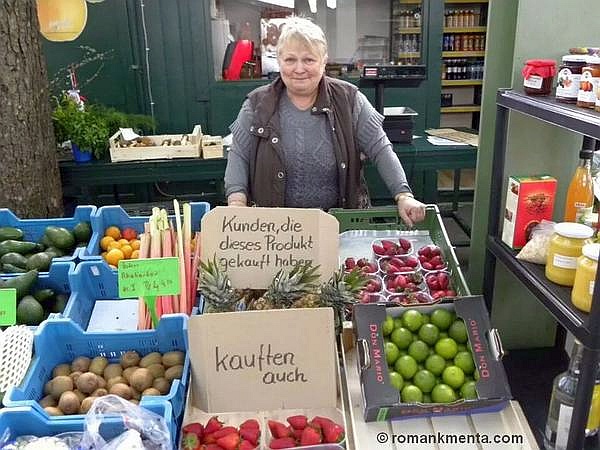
x: 309, y: 156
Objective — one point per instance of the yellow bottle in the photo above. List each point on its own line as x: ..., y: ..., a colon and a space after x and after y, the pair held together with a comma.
x: 585, y: 277
x: 580, y: 195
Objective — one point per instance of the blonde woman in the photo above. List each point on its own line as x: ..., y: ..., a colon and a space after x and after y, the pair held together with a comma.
x: 299, y: 141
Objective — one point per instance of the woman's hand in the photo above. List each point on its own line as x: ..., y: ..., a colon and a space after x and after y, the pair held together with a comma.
x: 411, y: 210
x: 237, y: 199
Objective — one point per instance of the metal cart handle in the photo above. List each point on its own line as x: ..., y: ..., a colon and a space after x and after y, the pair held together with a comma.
x: 363, y: 360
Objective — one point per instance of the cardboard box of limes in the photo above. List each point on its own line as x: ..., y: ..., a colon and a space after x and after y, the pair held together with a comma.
x: 429, y: 361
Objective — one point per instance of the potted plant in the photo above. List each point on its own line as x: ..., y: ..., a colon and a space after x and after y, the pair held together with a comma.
x: 86, y: 129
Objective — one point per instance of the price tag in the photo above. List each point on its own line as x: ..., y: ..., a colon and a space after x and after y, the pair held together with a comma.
x: 149, y: 277
x: 8, y: 306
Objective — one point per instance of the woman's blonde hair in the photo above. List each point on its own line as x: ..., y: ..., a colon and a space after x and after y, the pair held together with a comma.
x: 302, y: 30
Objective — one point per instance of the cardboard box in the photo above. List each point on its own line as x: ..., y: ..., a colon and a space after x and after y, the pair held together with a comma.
x: 212, y: 147
x: 529, y: 200
x: 382, y: 400
x: 264, y: 365
x: 120, y: 152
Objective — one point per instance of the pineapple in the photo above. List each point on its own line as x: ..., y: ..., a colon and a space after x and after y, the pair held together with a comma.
x: 289, y: 288
x: 342, y: 291
x: 216, y: 288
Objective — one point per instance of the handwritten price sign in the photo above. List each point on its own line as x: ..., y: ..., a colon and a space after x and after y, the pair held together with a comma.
x: 149, y: 277
x: 8, y: 306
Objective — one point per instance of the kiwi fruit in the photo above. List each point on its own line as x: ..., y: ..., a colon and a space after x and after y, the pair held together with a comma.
x: 134, y: 401
x: 81, y: 364
x: 151, y: 358
x: 174, y: 358
x: 151, y: 391
x: 136, y: 395
x: 114, y: 381
x: 127, y: 372
x: 141, y: 379
x: 101, y: 381
x: 53, y: 411
x: 112, y: 370
x: 60, y: 384
x: 100, y: 392
x: 48, y: 387
x: 86, y: 404
x: 61, y: 369
x: 157, y: 370
x: 69, y: 403
x: 48, y: 400
x: 75, y: 375
x: 80, y: 395
x: 172, y: 373
x: 162, y: 385
x: 98, y: 364
x: 130, y: 359
x: 121, y: 390
x: 87, y: 382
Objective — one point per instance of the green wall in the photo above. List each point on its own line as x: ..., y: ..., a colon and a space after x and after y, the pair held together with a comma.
x: 533, y: 147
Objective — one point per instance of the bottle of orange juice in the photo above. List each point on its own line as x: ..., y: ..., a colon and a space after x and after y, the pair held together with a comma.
x: 580, y: 196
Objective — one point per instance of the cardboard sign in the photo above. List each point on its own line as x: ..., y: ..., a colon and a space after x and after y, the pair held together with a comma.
x: 253, y: 244
x: 263, y: 360
x: 149, y: 277
x: 8, y: 306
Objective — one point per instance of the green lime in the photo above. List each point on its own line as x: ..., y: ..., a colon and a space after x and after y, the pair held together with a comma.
x: 391, y: 353
x: 397, y: 322
x: 458, y: 332
x: 424, y: 380
x: 441, y: 318
x: 442, y: 393
x: 464, y: 360
x: 453, y: 376
x: 388, y: 325
x: 446, y: 348
x: 429, y: 333
x: 426, y: 319
x: 396, y: 380
x: 476, y: 375
x: 406, y: 366
x: 402, y: 337
x: 419, y: 350
x: 468, y: 391
x: 412, y: 319
x: 435, y: 364
x: 426, y: 398
x: 411, y: 394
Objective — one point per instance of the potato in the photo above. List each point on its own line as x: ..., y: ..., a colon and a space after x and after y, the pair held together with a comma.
x: 75, y: 375
x: 100, y: 392
x: 61, y: 384
x: 141, y: 379
x: 98, y: 365
x: 127, y: 372
x: 87, y: 382
x: 48, y: 387
x: 121, y: 390
x: 162, y: 385
x: 175, y: 358
x: 69, y: 403
x: 53, y: 411
x: 130, y: 359
x: 112, y: 370
x: 101, y: 381
x: 48, y: 400
x: 151, y: 358
x: 157, y: 370
x: 86, y: 404
x: 61, y: 369
x: 81, y: 364
x: 114, y: 381
x: 174, y: 373
x: 80, y: 395
x: 151, y: 391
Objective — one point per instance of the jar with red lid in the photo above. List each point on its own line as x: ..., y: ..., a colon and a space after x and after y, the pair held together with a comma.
x: 590, y: 79
x: 538, y: 76
x: 568, y: 78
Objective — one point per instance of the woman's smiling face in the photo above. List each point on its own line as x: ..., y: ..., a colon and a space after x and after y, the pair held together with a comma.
x: 301, y: 68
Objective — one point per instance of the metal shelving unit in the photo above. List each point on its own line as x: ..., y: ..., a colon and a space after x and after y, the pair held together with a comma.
x: 556, y: 299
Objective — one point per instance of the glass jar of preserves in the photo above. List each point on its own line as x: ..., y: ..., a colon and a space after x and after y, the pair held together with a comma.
x: 585, y: 277
x: 590, y: 79
x: 569, y: 75
x: 564, y: 249
x: 538, y: 76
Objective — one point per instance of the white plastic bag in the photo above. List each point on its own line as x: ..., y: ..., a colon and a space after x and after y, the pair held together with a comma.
x: 151, y: 427
x: 536, y: 249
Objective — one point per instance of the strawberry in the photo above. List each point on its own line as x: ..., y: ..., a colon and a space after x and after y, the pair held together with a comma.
x: 424, y: 251
x: 362, y: 262
x: 229, y: 442
x: 350, y: 263
x: 209, y: 438
x: 211, y: 447
x: 435, y: 250
x: 427, y: 266
x: 411, y: 261
x: 400, y: 281
x: 450, y: 293
x: 190, y: 441
x: 436, y: 261
x: 443, y: 280
x: 213, y: 425
x: 387, y: 244
x: 297, y: 434
x: 196, y: 428
x: 250, y: 423
x: 405, y: 244
x: 278, y: 430
x: 319, y: 420
x: 405, y: 269
x: 332, y: 433
x: 224, y: 432
x: 378, y: 249
x: 286, y: 442
x: 298, y: 422
x: 246, y: 445
x: 250, y: 434
x: 310, y: 436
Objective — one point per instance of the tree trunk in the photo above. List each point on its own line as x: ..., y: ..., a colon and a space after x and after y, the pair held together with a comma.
x: 29, y: 176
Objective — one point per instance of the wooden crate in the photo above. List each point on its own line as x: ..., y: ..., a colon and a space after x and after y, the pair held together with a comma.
x: 120, y: 152
x: 212, y: 147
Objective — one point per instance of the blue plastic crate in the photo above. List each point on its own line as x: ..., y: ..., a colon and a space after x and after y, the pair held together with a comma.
x: 59, y: 341
x: 25, y: 420
x: 34, y: 228
x: 106, y: 216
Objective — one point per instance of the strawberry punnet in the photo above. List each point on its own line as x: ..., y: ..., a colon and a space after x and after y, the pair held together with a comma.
x: 279, y: 443
x: 229, y: 442
x: 298, y: 422
x: 278, y: 429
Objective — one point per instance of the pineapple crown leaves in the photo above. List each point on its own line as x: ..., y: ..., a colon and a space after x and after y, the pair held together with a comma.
x: 343, y: 288
x: 287, y: 287
x: 216, y: 287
